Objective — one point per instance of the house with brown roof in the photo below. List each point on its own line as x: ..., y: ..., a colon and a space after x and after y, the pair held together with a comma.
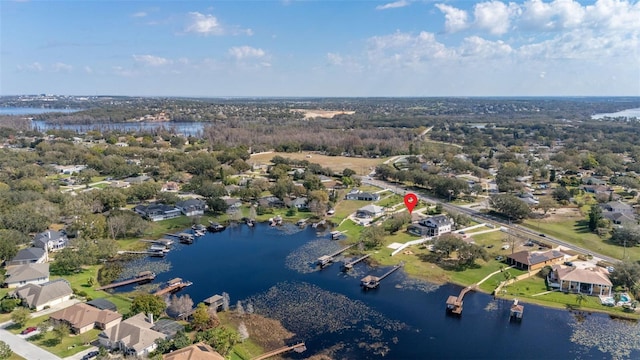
x: 133, y: 336
x: 48, y: 294
x: 590, y: 281
x: 20, y: 275
x: 530, y: 261
x: 82, y: 317
x: 199, y: 351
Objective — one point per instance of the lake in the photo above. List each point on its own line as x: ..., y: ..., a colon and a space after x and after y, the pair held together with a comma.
x: 184, y: 128
x: 629, y: 113
x: 272, y: 268
x: 31, y: 111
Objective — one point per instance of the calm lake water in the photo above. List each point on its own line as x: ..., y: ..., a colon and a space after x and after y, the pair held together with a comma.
x: 403, y: 319
x: 31, y: 111
x: 184, y: 128
x: 629, y: 113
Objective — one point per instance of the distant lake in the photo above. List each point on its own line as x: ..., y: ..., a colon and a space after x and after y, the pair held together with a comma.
x: 273, y: 269
x: 629, y: 113
x: 29, y: 111
x: 184, y: 128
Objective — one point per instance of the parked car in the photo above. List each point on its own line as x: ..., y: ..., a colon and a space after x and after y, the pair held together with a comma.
x: 29, y: 330
x: 543, y: 235
x: 610, y: 269
x: 528, y: 243
x: 499, y: 257
x: 90, y: 355
x: 568, y: 263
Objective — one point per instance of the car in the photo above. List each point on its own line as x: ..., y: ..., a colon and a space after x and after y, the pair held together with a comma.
x: 528, y: 243
x: 568, y: 263
x: 505, y: 247
x: 29, y: 330
x: 499, y: 257
x: 610, y: 269
x: 542, y: 235
x: 90, y: 355
x: 489, y: 246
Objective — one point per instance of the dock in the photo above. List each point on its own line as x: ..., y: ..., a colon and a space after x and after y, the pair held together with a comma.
x: 336, y: 235
x: 141, y: 277
x: 516, y: 311
x: 215, y: 227
x: 328, y: 259
x: 372, y: 282
x: 321, y: 222
x: 150, y: 253
x: 215, y: 301
x: 299, y: 347
x: 454, y: 303
x: 165, y: 242
x: 302, y: 222
x: 173, y: 285
x: 349, y: 265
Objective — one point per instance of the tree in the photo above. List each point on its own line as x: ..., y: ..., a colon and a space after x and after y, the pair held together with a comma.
x: 561, y: 193
x: 626, y: 274
x: 5, y: 350
x: 546, y: 204
x: 201, y: 319
x: 625, y: 236
x: 348, y: 172
x: 397, y: 221
x: 20, y: 316
x: 226, y: 301
x: 239, y: 308
x: 217, y: 205
x: 510, y: 206
x: 8, y: 245
x: 181, y: 340
x: 60, y: 331
x: 372, y: 236
x: 243, y: 333
x: 148, y: 303
x: 180, y: 306
x: 580, y: 298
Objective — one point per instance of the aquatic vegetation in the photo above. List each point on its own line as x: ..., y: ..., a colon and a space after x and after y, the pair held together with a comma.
x: 417, y: 285
x: 303, y: 259
x: 134, y: 267
x: 616, y: 338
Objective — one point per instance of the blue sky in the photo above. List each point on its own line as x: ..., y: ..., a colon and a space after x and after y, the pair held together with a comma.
x: 320, y: 48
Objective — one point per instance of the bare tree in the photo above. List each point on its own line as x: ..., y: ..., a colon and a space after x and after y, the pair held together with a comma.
x: 242, y: 331
x: 239, y: 308
x: 250, y: 309
x: 180, y: 305
x: 225, y: 301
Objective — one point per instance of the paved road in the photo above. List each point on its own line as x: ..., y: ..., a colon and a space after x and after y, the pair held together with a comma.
x: 513, y: 229
x: 22, y: 347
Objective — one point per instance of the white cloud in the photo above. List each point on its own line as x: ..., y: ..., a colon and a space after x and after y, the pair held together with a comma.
x: 455, y: 19
x: 88, y: 69
x: 61, y: 67
x: 393, y: 5
x: 152, y: 60
x: 334, y: 59
x: 492, y: 16
x: 246, y: 52
x: 406, y: 50
x: 33, y: 67
x: 139, y: 14
x: 204, y: 24
x: 478, y: 47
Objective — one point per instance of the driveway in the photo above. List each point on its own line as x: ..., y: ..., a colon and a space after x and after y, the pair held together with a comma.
x: 79, y: 355
x: 22, y: 347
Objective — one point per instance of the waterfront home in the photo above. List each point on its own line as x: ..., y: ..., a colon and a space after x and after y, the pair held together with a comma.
x: 356, y: 194
x: 51, y: 240
x: 170, y: 186
x: 369, y: 211
x: 29, y: 256
x: 591, y: 280
x: 192, y: 207
x: 137, y: 179
x: 38, y: 297
x: 530, y: 261
x: 271, y: 202
x: 199, y: 351
x: 103, y: 304
x: 133, y: 336
x: 83, y: 317
x: 432, y: 226
x: 157, y: 211
x: 19, y: 275
x: 300, y: 203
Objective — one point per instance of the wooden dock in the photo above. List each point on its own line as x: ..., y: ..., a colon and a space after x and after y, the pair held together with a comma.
x: 299, y: 347
x: 165, y: 242
x: 328, y: 259
x: 516, y: 311
x: 141, y: 277
x: 150, y: 253
x: 454, y: 303
x: 173, y: 285
x: 336, y: 235
x: 372, y: 282
x: 349, y: 265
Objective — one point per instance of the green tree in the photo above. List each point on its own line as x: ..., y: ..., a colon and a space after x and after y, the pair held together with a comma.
x: 181, y: 340
x: 372, y: 236
x: 217, y: 205
x: 397, y: 221
x: 60, y: 331
x: 561, y: 193
x: 5, y: 350
x: 148, y: 303
x: 20, y: 316
x: 595, y: 217
x: 580, y: 298
x: 625, y: 236
x: 626, y: 274
x: 201, y: 319
x: 510, y: 206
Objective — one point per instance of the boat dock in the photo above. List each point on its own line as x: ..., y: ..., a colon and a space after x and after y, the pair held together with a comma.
x: 165, y: 242
x: 299, y: 347
x: 215, y: 227
x: 321, y: 222
x: 336, y: 235
x: 349, y: 265
x: 173, y: 285
x: 141, y: 277
x: 454, y: 303
x: 150, y: 253
x: 328, y: 259
x: 372, y: 282
x: 302, y: 222
x: 516, y: 311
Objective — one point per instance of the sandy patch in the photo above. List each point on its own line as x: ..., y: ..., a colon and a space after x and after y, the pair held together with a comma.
x: 315, y: 113
x: 562, y: 214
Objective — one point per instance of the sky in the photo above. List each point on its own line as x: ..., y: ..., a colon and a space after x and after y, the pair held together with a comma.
x: 334, y: 48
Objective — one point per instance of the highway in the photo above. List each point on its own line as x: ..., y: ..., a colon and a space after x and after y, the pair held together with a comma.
x: 513, y: 229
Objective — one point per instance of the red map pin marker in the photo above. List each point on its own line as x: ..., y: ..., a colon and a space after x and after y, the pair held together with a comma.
x: 410, y: 201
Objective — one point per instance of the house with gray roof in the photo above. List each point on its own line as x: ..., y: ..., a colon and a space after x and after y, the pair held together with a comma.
x: 19, y: 275
x: 133, y: 336
x: 51, y: 240
x: 369, y: 211
x: 48, y: 294
x: 619, y: 213
x: 157, y: 211
x: 29, y: 256
x: 192, y: 207
x: 356, y: 194
x: 432, y: 226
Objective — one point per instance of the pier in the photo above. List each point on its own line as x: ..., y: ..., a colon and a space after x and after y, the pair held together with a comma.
x: 349, y: 265
x: 299, y: 347
x: 141, y: 277
x: 165, y: 242
x: 372, y: 282
x: 516, y: 311
x: 173, y: 285
x: 150, y: 253
x: 328, y: 259
x: 215, y: 227
x: 454, y: 303
x: 336, y: 235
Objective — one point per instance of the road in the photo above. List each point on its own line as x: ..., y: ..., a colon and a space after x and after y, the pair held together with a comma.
x: 22, y: 347
x: 516, y: 230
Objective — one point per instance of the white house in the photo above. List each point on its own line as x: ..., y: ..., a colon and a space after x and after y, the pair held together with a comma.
x: 133, y: 336
x: 51, y: 240
x: 48, y: 294
x: 33, y: 273
x: 433, y: 226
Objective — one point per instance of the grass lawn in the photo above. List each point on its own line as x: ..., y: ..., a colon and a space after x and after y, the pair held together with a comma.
x: 347, y: 207
x: 371, y: 189
x: 100, y: 186
x: 69, y: 345
x: 362, y: 166
x: 390, y: 201
x: 351, y: 230
x: 15, y: 356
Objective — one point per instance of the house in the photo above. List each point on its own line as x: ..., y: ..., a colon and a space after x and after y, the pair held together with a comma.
x: 590, y: 281
x: 192, y: 207
x: 170, y: 186
x: 157, y: 211
x: 69, y: 169
x: 432, y: 226
x: 619, y: 213
x: 29, y: 256
x: 356, y: 194
x: 102, y: 304
x: 526, y: 260
x: 271, y: 201
x: 51, y: 240
x: 300, y: 203
x: 369, y: 211
x: 597, y: 189
x: 137, y: 179
x: 83, y: 317
x: 199, y: 351
x: 133, y: 336
x: 593, y: 181
x: 19, y: 275
x: 48, y: 294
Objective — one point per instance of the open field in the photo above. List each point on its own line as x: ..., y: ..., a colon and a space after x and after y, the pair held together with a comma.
x: 328, y: 114
x: 362, y: 166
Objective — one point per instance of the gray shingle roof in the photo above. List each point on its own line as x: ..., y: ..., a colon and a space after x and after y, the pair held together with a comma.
x: 31, y: 253
x: 26, y: 272
x: 37, y: 295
